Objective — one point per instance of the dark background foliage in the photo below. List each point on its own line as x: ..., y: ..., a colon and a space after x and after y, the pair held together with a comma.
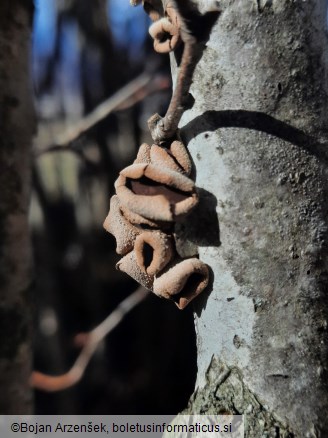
x: 83, y: 52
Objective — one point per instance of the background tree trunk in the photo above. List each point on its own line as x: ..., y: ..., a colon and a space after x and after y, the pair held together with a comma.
x: 258, y: 134
x: 17, y: 125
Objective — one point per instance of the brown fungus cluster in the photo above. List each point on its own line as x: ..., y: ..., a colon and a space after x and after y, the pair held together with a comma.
x: 156, y: 191
x: 166, y: 27
x: 151, y: 195
x: 166, y: 31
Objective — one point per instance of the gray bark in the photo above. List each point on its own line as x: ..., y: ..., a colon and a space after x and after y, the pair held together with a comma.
x: 16, y: 128
x: 258, y: 135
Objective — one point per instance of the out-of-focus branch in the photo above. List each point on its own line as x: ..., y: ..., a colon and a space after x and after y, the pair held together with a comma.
x: 92, y: 339
x: 126, y: 97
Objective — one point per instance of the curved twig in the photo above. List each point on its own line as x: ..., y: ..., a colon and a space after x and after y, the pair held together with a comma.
x: 48, y: 383
x: 194, y: 29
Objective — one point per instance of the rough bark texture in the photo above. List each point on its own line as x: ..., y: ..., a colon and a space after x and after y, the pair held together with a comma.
x: 16, y: 129
x: 258, y: 136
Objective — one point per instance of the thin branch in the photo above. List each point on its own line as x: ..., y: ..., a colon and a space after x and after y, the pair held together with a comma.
x: 158, y: 83
x: 72, y: 133
x: 116, y: 102
x: 164, y: 128
x: 93, y: 338
x: 194, y: 32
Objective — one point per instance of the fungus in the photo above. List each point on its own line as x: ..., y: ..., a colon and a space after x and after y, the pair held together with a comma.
x: 137, y: 219
x: 129, y: 265
x: 166, y: 35
x: 124, y: 232
x: 143, y: 155
x: 154, y: 250
x: 156, y: 193
x: 161, y: 156
x: 180, y: 153
x: 175, y: 157
x: 182, y: 281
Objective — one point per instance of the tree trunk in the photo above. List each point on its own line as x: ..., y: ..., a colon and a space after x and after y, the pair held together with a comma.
x: 258, y: 135
x: 17, y: 124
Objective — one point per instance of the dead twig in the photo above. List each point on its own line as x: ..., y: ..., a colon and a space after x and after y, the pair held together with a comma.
x: 194, y: 30
x: 163, y: 129
x: 127, y: 96
x: 48, y: 383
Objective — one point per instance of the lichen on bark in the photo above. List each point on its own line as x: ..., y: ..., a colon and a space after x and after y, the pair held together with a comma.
x: 225, y: 393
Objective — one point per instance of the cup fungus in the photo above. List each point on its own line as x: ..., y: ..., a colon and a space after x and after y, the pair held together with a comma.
x: 124, y: 231
x: 152, y: 194
x: 182, y: 281
x: 166, y: 35
x: 154, y: 250
x: 166, y: 31
x: 129, y: 265
x: 140, y: 221
x: 143, y: 155
x: 180, y: 153
x: 176, y: 158
x: 156, y: 193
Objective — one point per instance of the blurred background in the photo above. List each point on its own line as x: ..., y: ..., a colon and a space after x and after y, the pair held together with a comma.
x: 84, y: 53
